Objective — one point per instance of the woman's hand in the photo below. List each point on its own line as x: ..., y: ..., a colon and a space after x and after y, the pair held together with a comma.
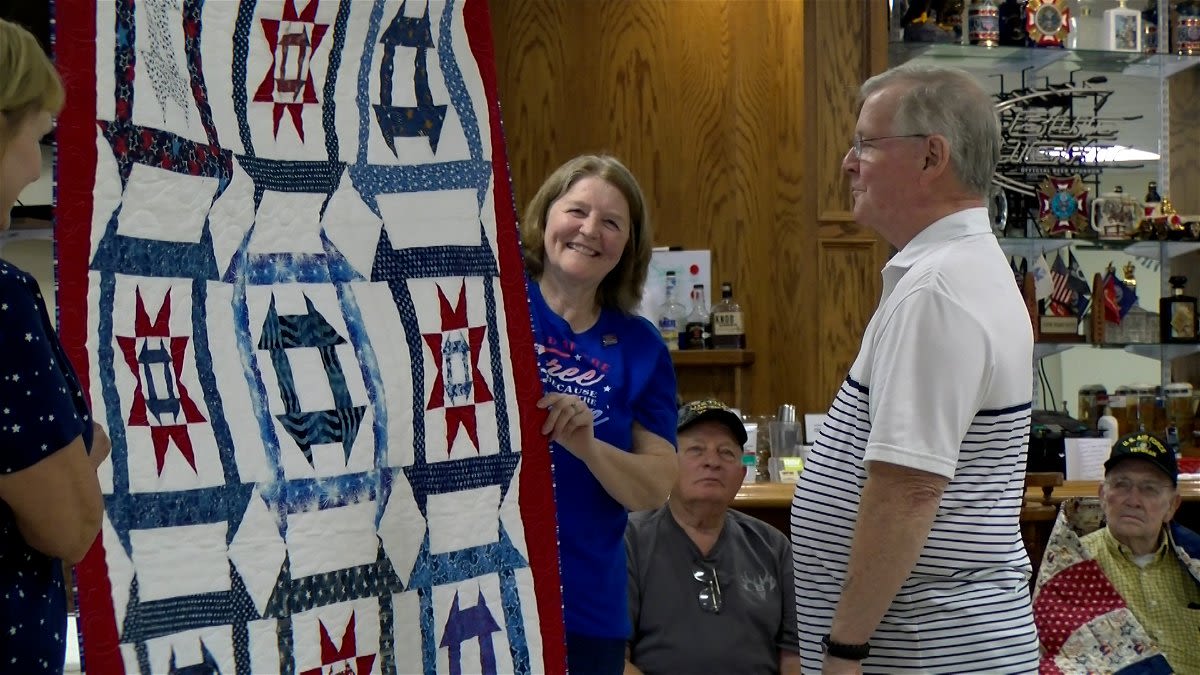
x: 568, y: 423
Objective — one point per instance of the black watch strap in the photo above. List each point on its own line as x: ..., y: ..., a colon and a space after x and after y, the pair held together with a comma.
x: 845, y: 651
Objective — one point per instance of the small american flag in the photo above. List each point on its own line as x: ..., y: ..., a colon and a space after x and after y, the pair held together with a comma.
x: 1062, y: 298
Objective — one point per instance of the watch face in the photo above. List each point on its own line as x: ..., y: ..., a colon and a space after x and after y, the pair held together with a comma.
x: 1048, y: 19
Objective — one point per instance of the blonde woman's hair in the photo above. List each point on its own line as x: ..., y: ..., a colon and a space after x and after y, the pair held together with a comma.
x: 28, y: 82
x: 621, y: 289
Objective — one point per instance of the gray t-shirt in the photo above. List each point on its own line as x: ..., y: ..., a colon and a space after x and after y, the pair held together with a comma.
x: 672, y: 633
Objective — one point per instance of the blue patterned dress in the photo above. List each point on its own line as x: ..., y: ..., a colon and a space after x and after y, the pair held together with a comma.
x: 42, y: 409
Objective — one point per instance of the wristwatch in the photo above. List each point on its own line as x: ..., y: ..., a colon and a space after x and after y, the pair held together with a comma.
x: 845, y: 651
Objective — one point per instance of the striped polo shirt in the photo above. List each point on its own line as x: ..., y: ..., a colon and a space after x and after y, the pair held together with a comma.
x: 942, y: 383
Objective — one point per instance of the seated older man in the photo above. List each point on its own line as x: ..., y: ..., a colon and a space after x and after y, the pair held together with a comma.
x: 1150, y: 567
x: 709, y: 588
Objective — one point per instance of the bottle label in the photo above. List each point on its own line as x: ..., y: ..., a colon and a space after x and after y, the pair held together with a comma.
x: 1183, y: 320
x: 727, y: 323
x: 668, y: 328
x: 1187, y: 32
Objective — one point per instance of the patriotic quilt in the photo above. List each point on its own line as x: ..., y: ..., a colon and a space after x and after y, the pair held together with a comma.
x: 1084, y: 625
x: 290, y: 278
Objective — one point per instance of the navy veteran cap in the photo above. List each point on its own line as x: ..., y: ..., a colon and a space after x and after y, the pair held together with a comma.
x: 1144, y: 446
x: 712, y: 410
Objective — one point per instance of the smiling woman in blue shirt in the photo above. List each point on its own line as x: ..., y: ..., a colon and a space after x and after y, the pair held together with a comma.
x: 609, y: 389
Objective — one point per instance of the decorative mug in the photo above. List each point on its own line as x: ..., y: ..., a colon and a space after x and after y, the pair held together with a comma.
x: 1115, y: 215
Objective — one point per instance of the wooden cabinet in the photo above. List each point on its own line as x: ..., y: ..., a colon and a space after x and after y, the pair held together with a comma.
x: 714, y: 373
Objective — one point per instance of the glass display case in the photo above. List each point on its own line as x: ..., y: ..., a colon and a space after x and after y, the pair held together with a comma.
x: 1077, y: 123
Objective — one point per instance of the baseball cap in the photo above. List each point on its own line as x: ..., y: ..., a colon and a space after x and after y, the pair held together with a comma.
x: 714, y: 410
x: 1147, y: 447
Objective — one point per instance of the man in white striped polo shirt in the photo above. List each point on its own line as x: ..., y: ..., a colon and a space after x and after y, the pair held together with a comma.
x: 905, y: 522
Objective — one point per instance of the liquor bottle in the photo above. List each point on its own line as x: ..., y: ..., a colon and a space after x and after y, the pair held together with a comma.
x: 729, y: 328
x: 983, y: 23
x: 1086, y: 28
x: 1185, y: 34
x: 1150, y: 27
x: 1177, y: 314
x: 671, y: 314
x: 1012, y: 23
x: 695, y: 329
x: 1122, y: 29
x: 1152, y: 204
x: 1108, y: 427
x: 1152, y: 193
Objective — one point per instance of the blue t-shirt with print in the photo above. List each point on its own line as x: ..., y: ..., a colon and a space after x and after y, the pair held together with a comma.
x: 622, y: 370
x: 42, y: 409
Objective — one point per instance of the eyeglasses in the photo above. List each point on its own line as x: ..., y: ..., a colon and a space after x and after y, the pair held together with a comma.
x: 1123, y: 486
x: 710, y: 594
x: 857, y: 144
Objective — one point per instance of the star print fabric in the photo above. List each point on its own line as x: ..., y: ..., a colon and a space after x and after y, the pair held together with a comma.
x: 40, y: 400
x: 40, y: 409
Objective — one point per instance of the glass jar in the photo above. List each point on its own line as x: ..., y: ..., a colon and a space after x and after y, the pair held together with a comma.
x: 1148, y: 409
x: 1181, y: 411
x: 1092, y: 400
x: 1124, y: 407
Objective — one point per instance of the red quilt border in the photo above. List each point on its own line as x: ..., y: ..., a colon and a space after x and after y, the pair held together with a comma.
x: 537, y: 493
x: 75, y: 53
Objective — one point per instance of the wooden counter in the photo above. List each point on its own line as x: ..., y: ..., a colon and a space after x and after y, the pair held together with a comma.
x: 714, y: 373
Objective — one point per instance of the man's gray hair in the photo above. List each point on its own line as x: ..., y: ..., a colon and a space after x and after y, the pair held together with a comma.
x: 951, y: 103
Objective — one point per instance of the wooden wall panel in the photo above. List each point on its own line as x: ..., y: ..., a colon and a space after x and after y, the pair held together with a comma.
x: 789, y: 252
x: 529, y: 53
x: 850, y: 256
x: 840, y: 65
x: 850, y: 270
x: 711, y: 106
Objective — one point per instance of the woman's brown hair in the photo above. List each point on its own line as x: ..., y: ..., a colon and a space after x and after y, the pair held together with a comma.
x: 622, y: 288
x: 28, y: 82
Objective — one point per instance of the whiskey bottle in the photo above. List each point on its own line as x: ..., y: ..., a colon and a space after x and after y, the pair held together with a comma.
x: 729, y: 329
x: 1012, y: 23
x: 1150, y: 27
x: 671, y: 315
x: 1152, y: 205
x: 1177, y: 314
x: 1152, y: 195
x: 695, y: 329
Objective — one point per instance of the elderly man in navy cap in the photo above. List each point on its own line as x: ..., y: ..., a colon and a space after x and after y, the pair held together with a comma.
x: 709, y: 588
x: 1144, y: 555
